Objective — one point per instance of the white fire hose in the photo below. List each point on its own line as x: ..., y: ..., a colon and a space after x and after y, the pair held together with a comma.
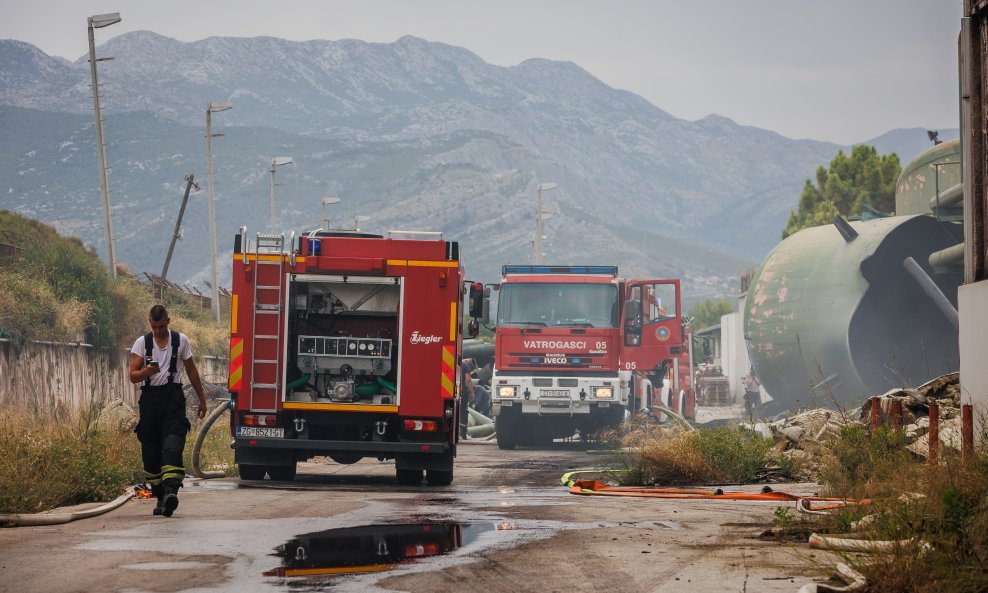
x: 213, y: 416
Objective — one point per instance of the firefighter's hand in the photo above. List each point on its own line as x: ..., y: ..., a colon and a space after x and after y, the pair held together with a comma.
x: 202, y: 409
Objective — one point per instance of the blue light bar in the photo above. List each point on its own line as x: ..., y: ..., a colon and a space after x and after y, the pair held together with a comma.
x: 529, y: 269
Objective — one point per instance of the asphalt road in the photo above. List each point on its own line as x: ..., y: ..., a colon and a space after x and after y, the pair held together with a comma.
x: 506, y: 524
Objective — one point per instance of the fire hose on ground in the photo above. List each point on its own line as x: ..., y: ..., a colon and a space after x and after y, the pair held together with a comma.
x: 210, y: 419
x: 36, y: 519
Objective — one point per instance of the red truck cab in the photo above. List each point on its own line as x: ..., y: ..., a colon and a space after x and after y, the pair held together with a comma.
x: 576, y: 347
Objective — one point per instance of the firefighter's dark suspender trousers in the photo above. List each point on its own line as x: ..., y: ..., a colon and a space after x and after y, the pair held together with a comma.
x: 163, y: 425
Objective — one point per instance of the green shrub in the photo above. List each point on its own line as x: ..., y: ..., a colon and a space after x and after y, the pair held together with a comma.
x: 734, y: 454
x: 863, y: 466
x: 663, y: 456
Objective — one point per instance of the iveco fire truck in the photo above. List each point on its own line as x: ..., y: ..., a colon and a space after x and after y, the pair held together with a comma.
x: 577, y: 346
x: 346, y: 345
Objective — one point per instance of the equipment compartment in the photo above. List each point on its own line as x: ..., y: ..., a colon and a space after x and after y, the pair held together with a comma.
x: 343, y: 334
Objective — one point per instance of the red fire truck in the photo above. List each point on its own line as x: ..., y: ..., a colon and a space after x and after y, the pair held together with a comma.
x: 578, y: 346
x: 346, y: 345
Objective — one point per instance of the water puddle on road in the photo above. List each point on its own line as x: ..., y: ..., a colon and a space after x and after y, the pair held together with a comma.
x: 370, y: 549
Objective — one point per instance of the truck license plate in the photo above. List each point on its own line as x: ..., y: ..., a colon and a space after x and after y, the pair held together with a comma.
x: 555, y: 393
x: 260, y: 431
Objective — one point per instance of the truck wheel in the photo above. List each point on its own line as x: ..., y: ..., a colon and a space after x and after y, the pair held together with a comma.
x: 282, y: 473
x: 506, y: 428
x: 410, y: 477
x: 439, y: 477
x: 250, y: 472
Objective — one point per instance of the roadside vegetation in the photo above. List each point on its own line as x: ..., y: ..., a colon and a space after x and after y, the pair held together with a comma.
x: 54, y: 288
x: 937, y: 514
x: 48, y: 462
x: 654, y: 454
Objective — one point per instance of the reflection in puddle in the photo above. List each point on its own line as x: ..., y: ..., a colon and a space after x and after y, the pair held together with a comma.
x: 370, y: 548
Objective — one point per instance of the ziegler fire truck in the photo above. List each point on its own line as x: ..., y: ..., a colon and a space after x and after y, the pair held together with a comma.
x: 347, y: 345
x: 577, y: 346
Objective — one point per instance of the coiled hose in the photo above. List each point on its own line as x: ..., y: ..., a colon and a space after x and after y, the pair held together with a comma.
x: 213, y: 416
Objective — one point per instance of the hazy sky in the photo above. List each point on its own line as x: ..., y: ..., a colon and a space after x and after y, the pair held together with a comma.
x: 839, y: 70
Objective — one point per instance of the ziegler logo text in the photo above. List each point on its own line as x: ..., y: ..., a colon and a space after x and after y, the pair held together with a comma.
x: 418, y: 338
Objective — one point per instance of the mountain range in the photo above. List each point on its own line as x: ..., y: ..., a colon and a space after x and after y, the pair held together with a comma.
x: 412, y: 135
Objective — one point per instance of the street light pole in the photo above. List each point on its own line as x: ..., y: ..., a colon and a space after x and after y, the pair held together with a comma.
x: 277, y: 162
x: 210, y: 109
x: 98, y: 22
x: 537, y: 244
x: 327, y: 201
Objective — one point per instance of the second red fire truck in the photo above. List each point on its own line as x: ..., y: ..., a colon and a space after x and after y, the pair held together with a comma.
x: 578, y: 346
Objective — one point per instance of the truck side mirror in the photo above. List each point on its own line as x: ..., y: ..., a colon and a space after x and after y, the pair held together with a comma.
x: 475, y: 300
x: 473, y: 328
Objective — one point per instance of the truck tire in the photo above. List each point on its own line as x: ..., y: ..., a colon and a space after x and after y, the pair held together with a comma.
x: 439, y: 477
x: 250, y: 472
x: 506, y: 429
x: 282, y: 473
x: 410, y: 477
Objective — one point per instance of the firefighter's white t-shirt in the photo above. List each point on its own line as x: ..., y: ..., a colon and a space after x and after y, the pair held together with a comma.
x: 164, y: 356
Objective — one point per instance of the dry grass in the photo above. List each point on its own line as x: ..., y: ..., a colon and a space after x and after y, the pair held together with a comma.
x: 659, y: 455
x: 942, y: 509
x: 48, y: 462
x: 215, y: 453
x: 51, y: 462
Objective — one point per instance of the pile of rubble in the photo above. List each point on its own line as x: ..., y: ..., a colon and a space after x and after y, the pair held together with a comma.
x: 801, y: 437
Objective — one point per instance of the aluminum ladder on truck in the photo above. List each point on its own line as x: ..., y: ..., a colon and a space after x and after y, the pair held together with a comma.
x: 264, y: 307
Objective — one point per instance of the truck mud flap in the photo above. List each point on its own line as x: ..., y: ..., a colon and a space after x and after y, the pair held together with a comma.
x: 421, y: 461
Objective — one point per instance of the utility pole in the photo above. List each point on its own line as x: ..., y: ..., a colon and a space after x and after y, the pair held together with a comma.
x: 190, y: 183
x: 537, y: 244
x: 98, y: 22
x: 210, y: 109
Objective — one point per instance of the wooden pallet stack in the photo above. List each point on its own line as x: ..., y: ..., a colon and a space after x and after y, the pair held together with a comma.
x: 713, y: 388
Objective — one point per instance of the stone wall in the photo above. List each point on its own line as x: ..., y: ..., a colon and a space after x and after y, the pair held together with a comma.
x: 67, y: 377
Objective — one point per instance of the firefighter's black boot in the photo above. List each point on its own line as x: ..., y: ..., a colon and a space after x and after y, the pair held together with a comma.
x: 158, y: 492
x: 170, y: 500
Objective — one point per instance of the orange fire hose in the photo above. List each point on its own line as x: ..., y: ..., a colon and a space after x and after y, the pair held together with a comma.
x: 598, y: 488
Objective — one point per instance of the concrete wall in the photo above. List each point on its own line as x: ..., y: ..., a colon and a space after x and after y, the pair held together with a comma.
x: 734, y: 353
x: 70, y: 376
x: 973, y: 310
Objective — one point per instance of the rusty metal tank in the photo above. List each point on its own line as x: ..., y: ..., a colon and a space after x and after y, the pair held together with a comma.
x: 837, y: 313
x: 931, y: 182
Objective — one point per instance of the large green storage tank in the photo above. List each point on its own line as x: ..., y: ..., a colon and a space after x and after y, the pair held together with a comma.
x: 833, y: 319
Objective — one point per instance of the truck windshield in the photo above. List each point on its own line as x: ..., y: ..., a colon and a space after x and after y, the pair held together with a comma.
x: 558, y: 305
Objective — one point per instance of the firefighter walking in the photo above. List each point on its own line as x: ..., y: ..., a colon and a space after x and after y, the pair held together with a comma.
x: 163, y: 424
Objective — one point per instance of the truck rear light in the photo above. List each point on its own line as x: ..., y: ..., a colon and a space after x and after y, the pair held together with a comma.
x: 422, y: 425
x: 419, y: 550
x: 507, y: 391
x: 260, y: 420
